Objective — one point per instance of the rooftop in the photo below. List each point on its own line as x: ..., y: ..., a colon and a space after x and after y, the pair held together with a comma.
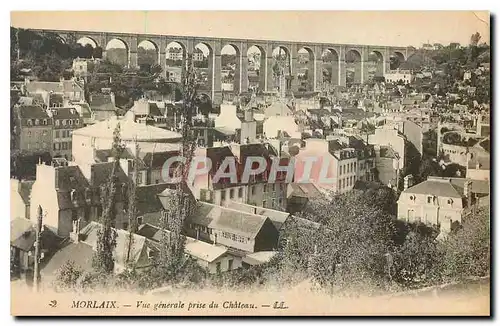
x: 129, y: 131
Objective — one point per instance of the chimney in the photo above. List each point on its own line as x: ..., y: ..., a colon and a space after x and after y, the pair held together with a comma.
x: 73, y: 196
x: 75, y: 234
x: 468, y: 191
x: 408, y: 181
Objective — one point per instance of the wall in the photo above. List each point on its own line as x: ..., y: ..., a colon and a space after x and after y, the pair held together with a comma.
x: 456, y: 154
x: 478, y: 174
x: 36, y: 138
x: 43, y: 193
x: 434, y: 213
x: 389, y: 137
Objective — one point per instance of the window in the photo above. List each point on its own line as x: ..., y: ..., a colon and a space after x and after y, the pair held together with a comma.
x: 57, y: 133
x: 273, y: 203
x: 412, y: 197
x: 64, y: 122
x: 37, y: 122
x: 55, y: 147
x: 29, y: 133
x: 240, y: 192
x: 230, y: 264
x: 29, y: 122
x: 57, y: 122
x: 217, y: 267
x: 264, y: 203
x: 74, y: 214
x: 231, y: 193
x: 280, y: 202
x: 125, y: 225
x: 253, y: 190
x: 429, y: 199
x: 450, y: 201
x: 139, y: 220
x: 223, y: 195
x: 340, y: 173
x: 265, y: 188
x: 77, y: 122
x: 70, y: 122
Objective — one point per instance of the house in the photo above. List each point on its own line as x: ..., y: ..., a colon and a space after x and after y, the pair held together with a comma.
x: 32, y: 129
x: 387, y: 136
x: 278, y: 218
x: 22, y: 245
x: 20, y: 192
x: 258, y: 190
x: 69, y: 90
x: 339, y: 163
x: 437, y: 202
x: 100, y: 136
x: 81, y: 247
x: 214, y: 258
x: 241, y: 231
x: 478, y: 163
x: 102, y: 106
x: 67, y: 194
x: 65, y: 121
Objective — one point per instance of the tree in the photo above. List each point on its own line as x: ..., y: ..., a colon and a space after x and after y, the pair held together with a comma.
x: 416, y: 261
x: 475, y: 38
x: 67, y: 276
x: 103, y: 261
x: 132, y: 210
x: 467, y: 250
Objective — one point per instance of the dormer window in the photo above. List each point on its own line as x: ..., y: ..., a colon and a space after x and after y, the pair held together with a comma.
x: 37, y: 122
x: 57, y: 122
x: 29, y: 122
x: 44, y: 122
x: 64, y: 122
x: 70, y: 122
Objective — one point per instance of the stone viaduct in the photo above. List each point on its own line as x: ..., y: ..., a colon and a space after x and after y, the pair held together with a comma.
x: 339, y: 54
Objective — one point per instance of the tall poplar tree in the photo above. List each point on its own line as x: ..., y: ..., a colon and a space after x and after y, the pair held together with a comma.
x: 103, y: 261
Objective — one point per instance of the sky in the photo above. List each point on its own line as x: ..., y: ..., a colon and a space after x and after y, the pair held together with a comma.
x: 390, y: 28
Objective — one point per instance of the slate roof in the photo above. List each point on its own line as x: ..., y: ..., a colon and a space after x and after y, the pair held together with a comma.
x: 156, y: 160
x: 203, y: 250
x: 277, y: 217
x: 23, y: 235
x: 307, y: 190
x: 130, y: 131
x: 55, y: 100
x: 56, y: 87
x: 32, y: 112
x: 260, y: 257
x: 143, y: 107
x: 66, y: 113
x: 25, y: 190
x: 148, y: 198
x: 139, y: 243
x: 225, y: 219
x: 239, y: 223
x: 80, y: 254
x: 102, y: 102
x: 442, y: 187
x: 151, y: 232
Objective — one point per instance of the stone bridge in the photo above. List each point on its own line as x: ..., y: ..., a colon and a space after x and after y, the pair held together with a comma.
x: 334, y: 59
